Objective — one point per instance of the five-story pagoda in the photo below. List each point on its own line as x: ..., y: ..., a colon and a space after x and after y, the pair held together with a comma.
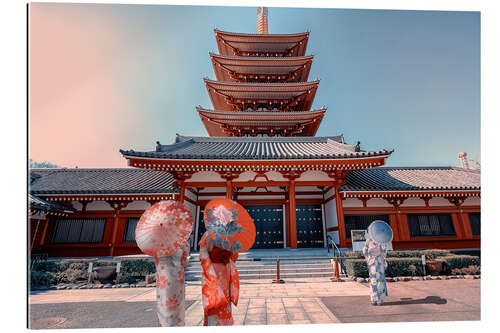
x: 262, y: 150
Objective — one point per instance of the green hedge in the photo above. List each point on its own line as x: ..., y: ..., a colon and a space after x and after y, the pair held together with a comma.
x: 41, y: 278
x: 401, y: 266
x: 395, y: 267
x: 456, y: 261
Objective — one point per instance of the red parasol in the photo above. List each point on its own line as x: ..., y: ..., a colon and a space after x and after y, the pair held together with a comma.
x: 229, y: 225
x: 163, y: 228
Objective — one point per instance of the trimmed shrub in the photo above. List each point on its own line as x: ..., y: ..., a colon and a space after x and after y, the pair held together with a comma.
x: 74, y: 275
x: 395, y: 267
x: 471, y: 270
x: 453, y: 262
x: 136, y: 269
x: 401, y: 267
x: 356, y: 267
x: 41, y: 278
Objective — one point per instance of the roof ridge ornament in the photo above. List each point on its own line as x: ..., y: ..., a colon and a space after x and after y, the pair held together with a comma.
x: 262, y: 20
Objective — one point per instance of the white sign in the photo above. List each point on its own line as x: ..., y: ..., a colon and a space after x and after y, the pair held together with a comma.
x: 423, y: 259
x: 358, y: 238
x: 91, y: 264
x: 118, y: 265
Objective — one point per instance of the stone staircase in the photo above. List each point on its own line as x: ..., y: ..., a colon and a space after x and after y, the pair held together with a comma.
x: 255, y: 268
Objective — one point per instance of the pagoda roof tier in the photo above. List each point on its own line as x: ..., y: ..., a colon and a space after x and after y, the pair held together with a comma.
x: 229, y: 96
x: 231, y: 123
x: 268, y: 69
x: 256, y: 148
x: 261, y: 45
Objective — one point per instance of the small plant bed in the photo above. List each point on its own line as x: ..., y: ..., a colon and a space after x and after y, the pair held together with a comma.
x: 74, y: 274
x: 409, y: 264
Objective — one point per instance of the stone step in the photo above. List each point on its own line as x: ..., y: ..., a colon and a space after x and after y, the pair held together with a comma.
x: 257, y: 266
x: 256, y: 276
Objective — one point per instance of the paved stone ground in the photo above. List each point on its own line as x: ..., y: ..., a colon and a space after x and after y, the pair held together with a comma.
x: 262, y: 303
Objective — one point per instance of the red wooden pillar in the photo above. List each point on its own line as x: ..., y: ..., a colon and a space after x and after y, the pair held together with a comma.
x: 44, y: 232
x: 292, y: 215
x: 466, y: 223
x: 116, y: 220
x: 340, y: 217
x: 229, y: 189
x: 182, y: 193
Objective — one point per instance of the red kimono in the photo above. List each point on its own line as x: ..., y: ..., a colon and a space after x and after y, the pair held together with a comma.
x: 220, y: 284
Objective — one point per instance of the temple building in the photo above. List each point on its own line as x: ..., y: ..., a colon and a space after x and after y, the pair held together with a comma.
x: 301, y: 190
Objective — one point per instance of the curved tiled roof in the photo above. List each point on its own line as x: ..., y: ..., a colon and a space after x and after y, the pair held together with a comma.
x: 225, y: 67
x: 101, y: 181
x: 256, y: 148
x: 221, y: 92
x: 215, y: 121
x: 412, y: 178
x: 35, y: 202
x: 227, y: 42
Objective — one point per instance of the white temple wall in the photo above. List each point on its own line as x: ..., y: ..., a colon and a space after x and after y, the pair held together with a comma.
x: 246, y: 176
x: 77, y: 205
x: 314, y: 175
x: 275, y: 176
x: 137, y: 205
x: 413, y: 202
x: 439, y: 202
x: 190, y: 195
x: 377, y: 202
x: 352, y: 202
x: 98, y: 205
x: 192, y: 208
x: 260, y: 197
x: 472, y: 201
x: 205, y: 176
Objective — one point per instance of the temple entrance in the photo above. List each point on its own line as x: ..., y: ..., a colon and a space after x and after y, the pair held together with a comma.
x: 268, y: 222
x: 309, y: 226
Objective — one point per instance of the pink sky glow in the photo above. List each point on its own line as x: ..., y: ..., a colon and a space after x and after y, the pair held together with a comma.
x: 76, y: 112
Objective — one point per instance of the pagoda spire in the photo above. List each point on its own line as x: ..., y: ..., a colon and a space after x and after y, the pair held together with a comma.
x: 262, y: 20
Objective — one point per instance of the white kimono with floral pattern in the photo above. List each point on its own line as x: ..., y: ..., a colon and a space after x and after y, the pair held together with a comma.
x: 375, y: 259
x: 170, y: 288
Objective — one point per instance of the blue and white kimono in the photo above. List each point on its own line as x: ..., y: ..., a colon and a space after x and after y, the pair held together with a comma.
x: 375, y: 253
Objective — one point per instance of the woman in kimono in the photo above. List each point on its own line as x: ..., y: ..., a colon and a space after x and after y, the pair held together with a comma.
x: 170, y: 287
x: 162, y: 232
x: 220, y: 283
x: 230, y: 230
x: 377, y: 238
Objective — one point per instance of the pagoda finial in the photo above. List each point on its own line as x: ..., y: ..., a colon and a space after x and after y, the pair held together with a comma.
x: 262, y: 20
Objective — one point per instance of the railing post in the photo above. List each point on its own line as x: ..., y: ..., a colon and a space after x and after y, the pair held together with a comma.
x: 278, y: 279
x: 336, y: 271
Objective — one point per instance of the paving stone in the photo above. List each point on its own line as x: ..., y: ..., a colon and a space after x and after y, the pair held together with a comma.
x: 277, y: 319
x: 297, y: 315
x: 298, y: 322
x: 257, y: 302
x: 256, y: 311
x: 319, y: 318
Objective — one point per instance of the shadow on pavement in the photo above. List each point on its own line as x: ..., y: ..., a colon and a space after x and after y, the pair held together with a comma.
x: 427, y: 300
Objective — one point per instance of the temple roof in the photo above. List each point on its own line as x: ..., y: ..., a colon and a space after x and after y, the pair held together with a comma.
x: 221, y: 123
x: 412, y: 179
x: 101, y: 181
x: 224, y: 95
x: 63, y: 181
x: 40, y: 204
x: 242, y: 44
x: 256, y: 148
x: 291, y: 69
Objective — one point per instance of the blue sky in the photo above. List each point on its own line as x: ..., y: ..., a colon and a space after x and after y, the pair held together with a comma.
x: 408, y: 80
